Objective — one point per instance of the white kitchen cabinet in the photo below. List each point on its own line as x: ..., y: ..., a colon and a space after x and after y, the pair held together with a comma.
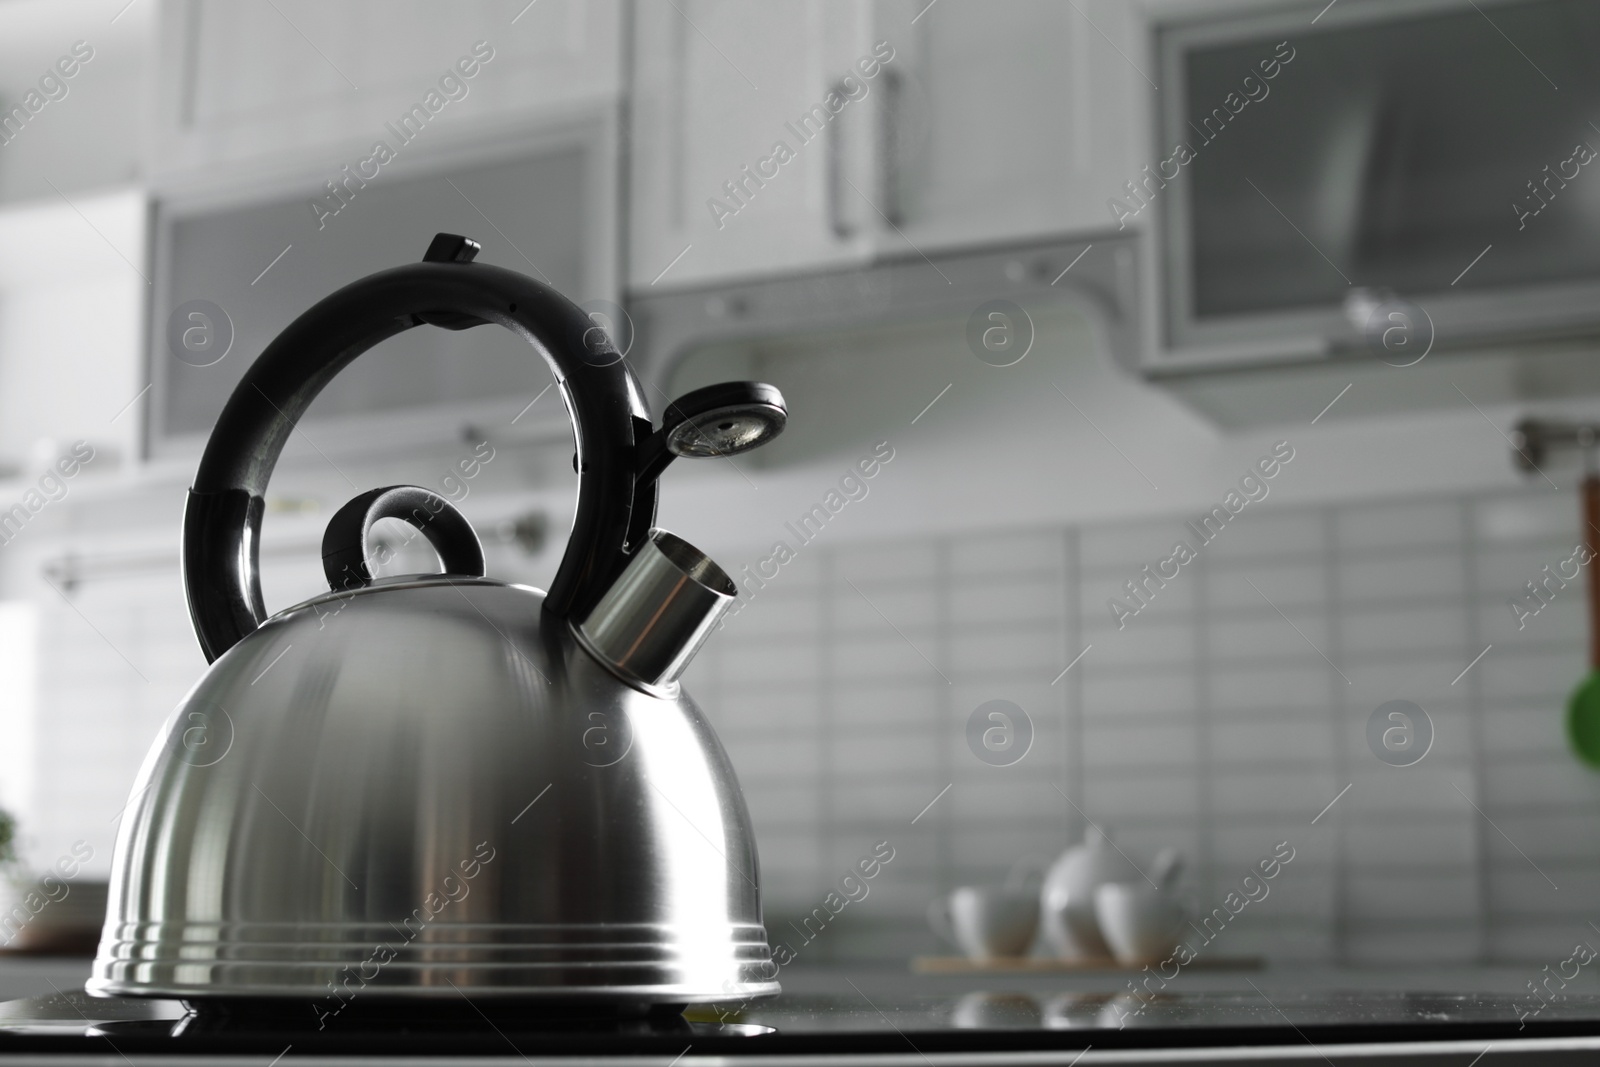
x: 718, y: 85
x: 67, y: 133
x: 72, y: 299
x: 245, y: 80
x: 1015, y: 119
x: 990, y: 121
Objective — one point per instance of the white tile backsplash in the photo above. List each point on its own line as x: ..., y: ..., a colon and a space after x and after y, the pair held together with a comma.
x: 1212, y: 721
x: 1436, y: 522
x: 1274, y: 534
x: 843, y: 690
x: 1267, y: 685
x: 1287, y: 585
x: 1399, y: 576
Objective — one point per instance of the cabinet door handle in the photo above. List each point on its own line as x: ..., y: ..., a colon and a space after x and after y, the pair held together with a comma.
x: 835, y: 164
x: 890, y: 131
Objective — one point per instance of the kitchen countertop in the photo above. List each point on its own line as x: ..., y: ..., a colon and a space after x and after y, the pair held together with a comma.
x: 26, y: 976
x: 1284, y: 1014
x: 1289, y: 977
x: 35, y: 976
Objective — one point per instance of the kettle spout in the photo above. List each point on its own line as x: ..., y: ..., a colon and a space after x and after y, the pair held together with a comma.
x: 658, y: 612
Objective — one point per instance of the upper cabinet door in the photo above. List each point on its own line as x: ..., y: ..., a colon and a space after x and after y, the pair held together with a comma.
x: 752, y: 138
x: 244, y: 80
x: 936, y: 125
x: 1013, y: 119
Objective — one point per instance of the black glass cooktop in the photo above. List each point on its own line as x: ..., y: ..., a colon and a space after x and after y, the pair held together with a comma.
x: 851, y: 1025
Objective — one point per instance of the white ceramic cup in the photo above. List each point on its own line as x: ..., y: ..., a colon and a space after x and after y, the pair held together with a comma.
x: 1139, y: 922
x: 986, y: 923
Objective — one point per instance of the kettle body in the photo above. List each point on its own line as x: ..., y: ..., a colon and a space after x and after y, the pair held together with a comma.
x: 452, y: 793
x: 433, y: 786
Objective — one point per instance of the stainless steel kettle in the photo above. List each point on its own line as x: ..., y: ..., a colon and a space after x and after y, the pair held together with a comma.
x: 444, y: 785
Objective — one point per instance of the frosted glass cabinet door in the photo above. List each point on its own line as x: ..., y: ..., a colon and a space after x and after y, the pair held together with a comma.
x: 250, y: 268
x: 719, y: 85
x: 241, y: 81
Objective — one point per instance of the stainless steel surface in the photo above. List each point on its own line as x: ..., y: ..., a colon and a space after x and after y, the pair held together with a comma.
x: 1103, y: 283
x: 723, y: 432
x: 426, y: 786
x: 70, y: 1011
x: 658, y: 613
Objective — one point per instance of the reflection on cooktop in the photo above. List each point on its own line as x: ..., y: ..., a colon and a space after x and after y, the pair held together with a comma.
x: 847, y: 1022
x: 1112, y: 1012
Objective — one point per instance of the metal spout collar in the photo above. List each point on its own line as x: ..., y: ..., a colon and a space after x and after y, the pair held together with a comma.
x: 662, y: 607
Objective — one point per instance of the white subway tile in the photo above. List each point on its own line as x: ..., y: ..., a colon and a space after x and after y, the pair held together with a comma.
x: 1143, y: 643
x: 1113, y: 695
x: 1524, y: 728
x: 1536, y: 675
x: 772, y: 664
x: 1389, y: 525
x: 1259, y: 533
x: 898, y: 752
x: 1173, y: 601
x: 778, y: 806
x: 1403, y: 628
x: 1267, y: 635
x: 1527, y: 626
x: 1401, y: 844
x: 1523, y: 888
x: 1164, y: 742
x: 1036, y: 552
x: 740, y: 709
x: 1002, y: 799
x: 1113, y: 794
x: 787, y: 758
x: 862, y: 704
x: 870, y: 609
x: 1432, y: 788
x: 1290, y: 791
x: 1405, y: 899
x: 886, y: 655
x: 1560, y: 779
x: 1548, y: 836
x: 1400, y: 577
x: 1300, y: 584
x: 1261, y: 744
x: 875, y: 564
x: 1022, y: 650
x: 1130, y: 546
x: 1307, y: 684
x: 1037, y: 598
x: 1456, y: 943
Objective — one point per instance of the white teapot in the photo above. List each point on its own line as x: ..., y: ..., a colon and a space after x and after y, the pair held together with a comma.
x: 1071, y: 929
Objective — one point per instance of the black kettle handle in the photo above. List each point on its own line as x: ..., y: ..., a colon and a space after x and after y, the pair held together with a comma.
x: 222, y: 518
x: 347, y: 542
